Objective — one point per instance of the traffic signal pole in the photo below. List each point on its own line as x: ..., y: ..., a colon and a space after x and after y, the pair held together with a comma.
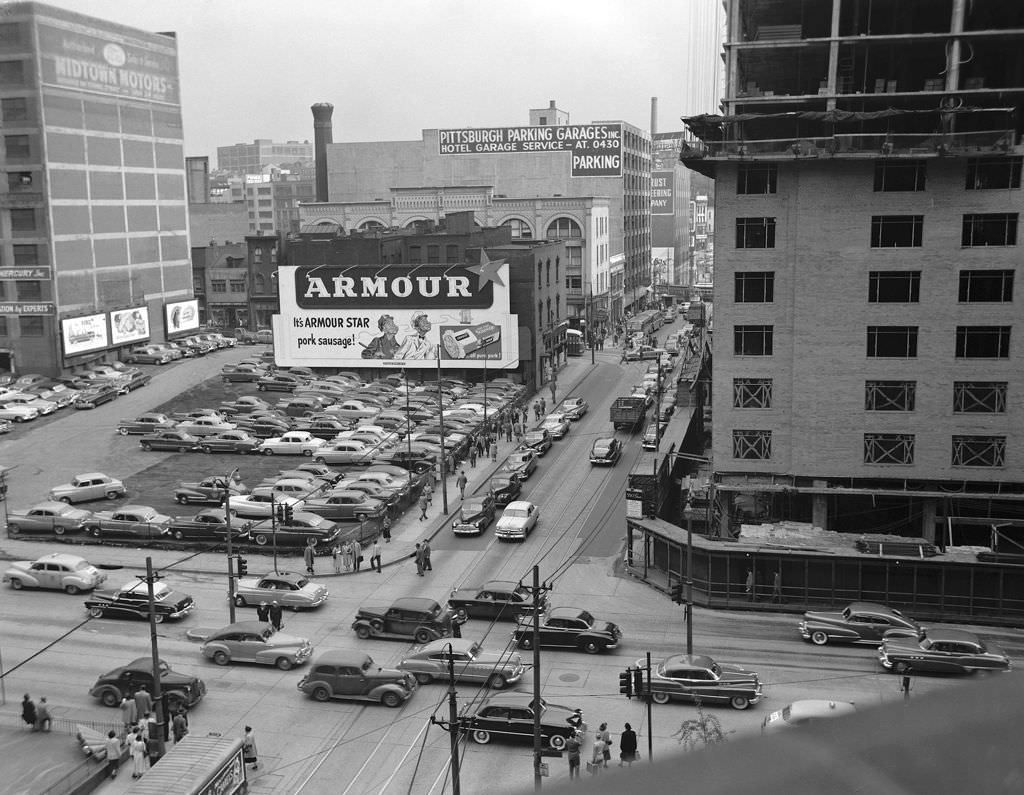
x: 536, y: 678
x: 650, y: 729
x: 158, y: 702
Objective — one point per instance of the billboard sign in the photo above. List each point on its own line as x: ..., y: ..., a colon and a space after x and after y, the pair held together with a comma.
x: 181, y: 316
x: 662, y: 193
x: 397, y: 316
x: 104, y: 61
x: 26, y: 308
x: 84, y: 334
x: 25, y: 273
x: 129, y: 325
x: 596, y: 149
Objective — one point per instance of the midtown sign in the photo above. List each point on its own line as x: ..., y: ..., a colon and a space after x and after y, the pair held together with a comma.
x: 391, y: 286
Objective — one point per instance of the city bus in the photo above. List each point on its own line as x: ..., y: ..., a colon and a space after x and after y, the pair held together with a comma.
x: 645, y: 323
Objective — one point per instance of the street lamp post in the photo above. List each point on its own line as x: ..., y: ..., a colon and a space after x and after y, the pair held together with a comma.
x: 688, y: 615
x: 227, y: 525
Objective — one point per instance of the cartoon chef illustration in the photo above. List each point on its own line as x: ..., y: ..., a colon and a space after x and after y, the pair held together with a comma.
x: 416, y: 346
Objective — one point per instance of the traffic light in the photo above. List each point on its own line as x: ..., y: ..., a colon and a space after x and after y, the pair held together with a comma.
x: 243, y: 566
x: 289, y: 514
x: 638, y: 682
x: 677, y: 593
x: 626, y: 683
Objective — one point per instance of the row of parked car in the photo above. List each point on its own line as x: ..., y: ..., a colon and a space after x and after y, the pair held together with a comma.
x: 182, y: 348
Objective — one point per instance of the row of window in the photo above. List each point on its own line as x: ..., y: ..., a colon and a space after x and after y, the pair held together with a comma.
x: 982, y: 173
x: 28, y: 326
x: 899, y: 342
x: 969, y: 397
x: 898, y: 231
x: 220, y: 286
x: 889, y: 287
x: 886, y: 448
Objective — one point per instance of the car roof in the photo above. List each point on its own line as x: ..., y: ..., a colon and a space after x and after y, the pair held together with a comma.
x: 941, y: 634
x: 90, y: 476
x: 415, y: 603
x: 694, y: 661
x: 61, y: 557
x: 605, y: 441
x: 342, y: 658
x: 819, y: 707
x: 136, y: 509
x: 523, y: 504
x: 872, y: 607
x: 564, y: 612
x: 243, y: 626
x: 54, y: 505
x: 499, y: 585
x: 288, y: 576
x: 457, y: 644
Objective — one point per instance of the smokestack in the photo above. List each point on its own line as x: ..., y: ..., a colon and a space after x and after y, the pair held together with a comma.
x: 322, y: 135
x: 654, y: 115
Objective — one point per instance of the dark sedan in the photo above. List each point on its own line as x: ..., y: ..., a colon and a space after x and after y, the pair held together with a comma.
x: 699, y: 678
x: 174, y: 440
x: 132, y: 601
x: 539, y: 440
x: 237, y: 441
x: 497, y: 599
x: 505, y: 488
x: 945, y: 651
x: 522, y: 463
x: 207, y: 525
x: 606, y: 451
x: 278, y: 382
x: 475, y: 514
x: 242, y: 373
x: 264, y: 428
x: 569, y: 628
x: 97, y: 395
x: 859, y: 622
x: 346, y: 505
x: 305, y: 529
x: 511, y: 716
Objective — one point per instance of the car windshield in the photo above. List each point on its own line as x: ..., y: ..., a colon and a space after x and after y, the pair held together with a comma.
x: 534, y: 435
x: 716, y: 670
x: 81, y: 565
x: 585, y: 616
x: 516, y: 513
x: 473, y: 506
x: 602, y: 447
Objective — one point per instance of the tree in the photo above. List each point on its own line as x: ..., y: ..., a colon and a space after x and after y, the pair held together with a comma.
x: 704, y: 730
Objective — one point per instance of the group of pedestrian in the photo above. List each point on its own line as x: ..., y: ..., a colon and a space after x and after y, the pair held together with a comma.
x: 422, y: 557
x: 37, y: 717
x: 272, y: 613
x: 349, y: 556
x: 602, y: 753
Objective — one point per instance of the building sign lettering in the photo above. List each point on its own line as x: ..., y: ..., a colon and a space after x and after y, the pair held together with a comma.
x: 662, y: 193
x: 21, y: 308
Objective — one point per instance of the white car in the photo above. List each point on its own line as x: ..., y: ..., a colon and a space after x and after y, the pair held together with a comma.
x: 353, y: 409
x: 557, y: 425
x: 806, y: 712
x: 517, y: 520
x: 258, y: 504
x: 58, y: 570
x: 17, y: 412
x: 205, y: 426
x: 291, y: 443
x: 34, y: 401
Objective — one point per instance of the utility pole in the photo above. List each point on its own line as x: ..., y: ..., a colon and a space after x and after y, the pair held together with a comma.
x: 158, y: 703
x: 453, y: 719
x: 273, y: 526
x: 227, y: 524
x: 688, y: 615
x: 537, y: 590
x: 444, y: 457
x: 650, y: 719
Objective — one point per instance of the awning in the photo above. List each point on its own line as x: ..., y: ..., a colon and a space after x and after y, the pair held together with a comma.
x: 574, y: 332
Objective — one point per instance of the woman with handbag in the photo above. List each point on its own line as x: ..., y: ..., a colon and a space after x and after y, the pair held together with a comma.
x: 627, y: 746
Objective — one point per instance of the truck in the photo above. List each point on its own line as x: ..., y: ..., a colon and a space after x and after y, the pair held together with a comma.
x: 628, y: 412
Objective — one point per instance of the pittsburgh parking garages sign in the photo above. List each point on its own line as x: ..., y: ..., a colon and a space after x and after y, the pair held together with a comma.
x: 595, y: 149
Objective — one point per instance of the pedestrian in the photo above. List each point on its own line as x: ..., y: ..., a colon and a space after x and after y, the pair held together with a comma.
x: 346, y: 555
x: 543, y: 407
x: 461, y: 482
x: 179, y: 725
x: 143, y: 701
x: 487, y: 445
x: 597, y: 757
x: 508, y: 431
x: 129, y: 714
x: 572, y: 745
x: 137, y: 749
x: 143, y: 726
x: 336, y: 558
x: 494, y: 451
x: 536, y: 409
x: 42, y: 716
x: 375, y: 555
x: 750, y: 584
x: 263, y: 611
x: 472, y: 455
x: 249, y: 748
x: 385, y: 527
x: 606, y: 744
x: 426, y: 555
x: 113, y: 748
x: 275, y: 615
x: 357, y: 555
x: 431, y: 480
x: 627, y: 746
x: 517, y: 429
x: 152, y: 744
x: 777, y: 587
x: 307, y: 555
x: 28, y: 711
x: 418, y: 557
x: 458, y: 620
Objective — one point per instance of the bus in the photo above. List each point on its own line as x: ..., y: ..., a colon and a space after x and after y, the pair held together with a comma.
x: 645, y: 323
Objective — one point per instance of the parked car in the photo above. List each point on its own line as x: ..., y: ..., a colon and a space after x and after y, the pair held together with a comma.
x: 569, y: 628
x: 497, y: 600
x: 859, y: 622
x: 291, y: 590
x: 132, y: 601
x: 476, y: 513
x: 49, y: 517
x: 355, y: 676
x: 278, y: 382
x: 15, y: 412
x: 354, y: 409
x: 89, y: 486
x: 148, y: 354
x: 263, y: 428
x: 256, y: 642
x: 174, y: 439
x: 942, y: 651
x: 325, y: 428
x: 244, y: 404
x: 806, y: 712
x: 347, y: 452
x: 145, y: 423
x: 505, y: 488
x: 346, y: 505
x: 573, y: 408
x: 133, y: 381
x: 517, y: 520
x: 183, y: 691
x: 96, y: 396
x: 430, y: 662
x: 209, y: 489
x: 208, y: 525
x: 205, y: 426
x: 302, y: 530
x: 58, y: 393
x: 291, y: 443
x: 700, y: 678
x: 522, y: 463
x: 129, y: 521
x: 236, y: 441
x: 511, y: 716
x: 606, y: 451
x: 257, y: 504
x: 556, y: 425
x: 44, y: 407
x: 408, y: 618
x: 58, y: 570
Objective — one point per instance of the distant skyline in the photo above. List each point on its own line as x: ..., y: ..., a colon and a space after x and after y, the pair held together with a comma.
x: 251, y: 69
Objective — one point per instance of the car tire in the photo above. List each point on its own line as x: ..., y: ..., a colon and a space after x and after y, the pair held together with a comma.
x: 94, y: 531
x: 16, y: 584
x: 59, y: 530
x: 557, y: 742
x: 660, y: 697
x: 96, y: 612
x: 526, y: 642
x: 739, y: 702
x: 423, y: 636
x: 321, y: 693
x: 181, y: 499
x: 182, y: 449
x: 123, y: 431
x: 261, y: 388
x: 110, y: 698
x: 593, y: 647
x: 424, y: 679
x: 307, y: 453
x: 482, y: 737
x: 240, y: 601
x: 497, y: 682
x: 71, y: 590
x: 147, y: 446
x: 205, y: 448
x: 221, y: 657
x: 363, y: 632
x: 391, y: 699
x: 819, y: 638
x: 158, y: 618
x: 65, y: 500
x: 901, y: 667
x: 261, y: 540
x: 178, y: 535
x: 268, y: 451
x: 283, y: 664
x: 13, y: 529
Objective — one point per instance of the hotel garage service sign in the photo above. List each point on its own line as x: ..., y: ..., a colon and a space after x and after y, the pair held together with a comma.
x: 397, y: 316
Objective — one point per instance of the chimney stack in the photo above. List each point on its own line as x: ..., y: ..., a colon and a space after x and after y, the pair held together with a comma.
x: 322, y: 135
x: 654, y: 115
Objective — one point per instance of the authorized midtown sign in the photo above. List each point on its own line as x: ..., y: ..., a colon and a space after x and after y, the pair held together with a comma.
x: 397, y: 316
x: 596, y: 149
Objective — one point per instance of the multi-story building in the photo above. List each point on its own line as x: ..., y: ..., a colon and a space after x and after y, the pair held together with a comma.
x: 272, y: 201
x: 255, y: 157
x: 93, y: 222
x: 868, y: 373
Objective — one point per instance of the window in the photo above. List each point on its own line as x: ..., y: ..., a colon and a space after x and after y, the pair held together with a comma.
x: 986, y: 286
x: 755, y: 233
x: 273, y: 256
x: 889, y: 395
x: 263, y: 191
x: 23, y: 220
x: 979, y: 397
x: 892, y: 341
x: 564, y: 227
x: 899, y: 175
x: 989, y: 229
x: 540, y: 273
x: 752, y: 393
x: 218, y: 286
x: 3, y: 327
x: 451, y: 253
x: 520, y: 229
x: 574, y: 283
x: 237, y: 287
x: 26, y: 254
x: 433, y: 254
x: 894, y: 287
x: 979, y: 451
x: 415, y: 254
x: 10, y: 34
x: 14, y: 109
x: 752, y: 445
x: 31, y: 326
x: 29, y: 290
x: 12, y: 72
x: 992, y: 173
x: 17, y: 146
x: 19, y: 181
x: 257, y: 255
x: 754, y: 287
x: 982, y: 342
x: 896, y: 231
x: 265, y: 203
x: 753, y: 340
x: 757, y: 178
x: 889, y: 448
x: 266, y: 213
